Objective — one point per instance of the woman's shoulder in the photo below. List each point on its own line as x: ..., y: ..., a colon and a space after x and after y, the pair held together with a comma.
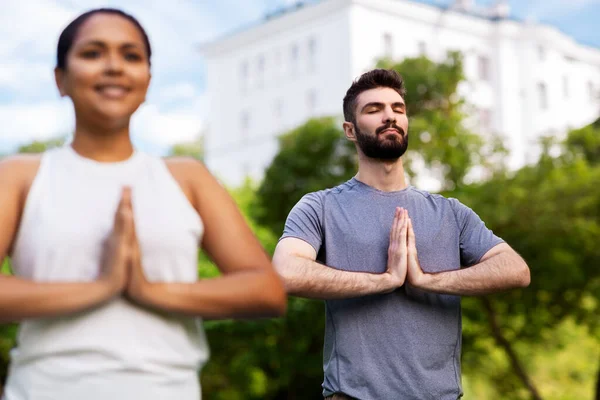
x: 186, y: 168
x: 19, y: 168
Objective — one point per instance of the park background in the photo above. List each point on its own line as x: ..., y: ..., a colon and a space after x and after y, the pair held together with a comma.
x: 542, y: 342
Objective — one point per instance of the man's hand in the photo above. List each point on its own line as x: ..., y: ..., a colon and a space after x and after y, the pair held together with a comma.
x: 397, y: 250
x: 415, y: 275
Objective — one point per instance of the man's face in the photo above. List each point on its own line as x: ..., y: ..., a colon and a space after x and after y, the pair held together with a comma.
x: 381, y: 126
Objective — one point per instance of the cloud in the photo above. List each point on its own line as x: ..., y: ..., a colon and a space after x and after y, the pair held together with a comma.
x: 26, y: 122
x: 26, y: 78
x: 29, y: 30
x: 177, y: 92
x: 31, y: 27
x: 165, y: 128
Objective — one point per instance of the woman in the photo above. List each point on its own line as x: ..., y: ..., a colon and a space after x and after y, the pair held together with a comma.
x: 104, y: 242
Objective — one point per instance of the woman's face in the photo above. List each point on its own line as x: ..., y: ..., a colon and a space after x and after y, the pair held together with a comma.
x: 107, y: 71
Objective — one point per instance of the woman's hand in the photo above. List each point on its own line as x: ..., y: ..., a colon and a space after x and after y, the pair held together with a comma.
x: 118, y: 248
x: 137, y: 288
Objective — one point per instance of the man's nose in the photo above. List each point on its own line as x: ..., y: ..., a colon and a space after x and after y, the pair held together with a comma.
x: 389, y: 115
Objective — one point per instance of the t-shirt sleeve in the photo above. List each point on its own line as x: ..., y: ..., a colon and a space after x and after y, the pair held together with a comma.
x: 305, y: 220
x: 475, y: 238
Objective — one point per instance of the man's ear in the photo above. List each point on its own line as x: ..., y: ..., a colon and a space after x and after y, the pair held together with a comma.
x: 349, y: 131
x: 59, y: 78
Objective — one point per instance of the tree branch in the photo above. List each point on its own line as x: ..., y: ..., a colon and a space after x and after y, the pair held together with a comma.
x: 518, y: 369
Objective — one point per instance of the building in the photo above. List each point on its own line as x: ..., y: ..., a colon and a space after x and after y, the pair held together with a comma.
x: 524, y: 79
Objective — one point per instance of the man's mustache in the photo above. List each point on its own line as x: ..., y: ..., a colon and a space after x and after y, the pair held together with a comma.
x: 388, y: 126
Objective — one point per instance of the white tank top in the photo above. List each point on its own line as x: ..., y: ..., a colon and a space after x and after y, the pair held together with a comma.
x: 118, y: 350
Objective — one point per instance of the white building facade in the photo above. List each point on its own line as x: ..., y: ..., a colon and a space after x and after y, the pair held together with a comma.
x: 524, y: 80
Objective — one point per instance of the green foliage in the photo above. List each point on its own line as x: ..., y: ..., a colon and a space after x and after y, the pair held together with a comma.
x: 264, y: 359
x: 194, y: 149
x: 271, y: 359
x: 550, y: 213
x: 8, y: 333
x: 430, y: 85
x: 312, y: 157
x: 5, y: 267
x: 437, y: 130
x: 585, y: 142
x: 39, y: 146
x: 562, y: 363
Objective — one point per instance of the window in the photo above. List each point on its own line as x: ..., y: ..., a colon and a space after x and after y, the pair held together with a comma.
x: 388, y: 45
x: 294, y: 56
x: 484, y: 68
x: 278, y: 109
x: 422, y: 48
x: 541, y: 53
x: 260, y: 71
x: 543, y: 96
x: 244, y: 76
x: 311, y: 101
x: 312, y: 54
x: 565, y: 86
x: 244, y: 125
x: 277, y: 63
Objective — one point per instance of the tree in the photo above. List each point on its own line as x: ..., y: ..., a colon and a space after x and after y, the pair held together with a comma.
x: 314, y: 156
x: 585, y: 142
x: 194, y: 149
x: 550, y: 213
x: 270, y: 359
x: 438, y: 132
x: 39, y: 146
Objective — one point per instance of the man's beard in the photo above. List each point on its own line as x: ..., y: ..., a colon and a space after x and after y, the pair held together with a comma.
x: 382, y: 149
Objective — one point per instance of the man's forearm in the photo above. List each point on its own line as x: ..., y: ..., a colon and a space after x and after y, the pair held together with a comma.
x: 500, y: 272
x: 23, y: 299
x: 306, y: 278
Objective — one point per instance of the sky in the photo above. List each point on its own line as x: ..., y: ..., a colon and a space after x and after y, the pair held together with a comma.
x: 31, y: 109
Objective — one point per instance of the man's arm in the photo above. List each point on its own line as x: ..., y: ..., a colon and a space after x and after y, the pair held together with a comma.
x: 499, y: 269
x: 294, y: 260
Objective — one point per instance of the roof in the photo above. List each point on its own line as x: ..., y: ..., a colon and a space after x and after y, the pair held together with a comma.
x: 276, y: 14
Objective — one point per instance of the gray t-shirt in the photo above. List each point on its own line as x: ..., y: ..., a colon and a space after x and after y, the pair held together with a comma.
x: 405, y: 344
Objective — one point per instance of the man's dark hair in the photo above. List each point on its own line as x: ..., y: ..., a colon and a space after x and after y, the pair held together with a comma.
x: 68, y: 35
x: 371, y: 80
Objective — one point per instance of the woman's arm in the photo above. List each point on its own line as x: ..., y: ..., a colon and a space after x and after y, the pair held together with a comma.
x: 21, y: 298
x: 248, y: 286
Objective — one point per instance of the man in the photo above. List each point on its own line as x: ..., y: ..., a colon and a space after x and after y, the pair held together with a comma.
x: 387, y: 259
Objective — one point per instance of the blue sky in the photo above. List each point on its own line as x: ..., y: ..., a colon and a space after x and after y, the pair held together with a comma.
x: 30, y: 107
